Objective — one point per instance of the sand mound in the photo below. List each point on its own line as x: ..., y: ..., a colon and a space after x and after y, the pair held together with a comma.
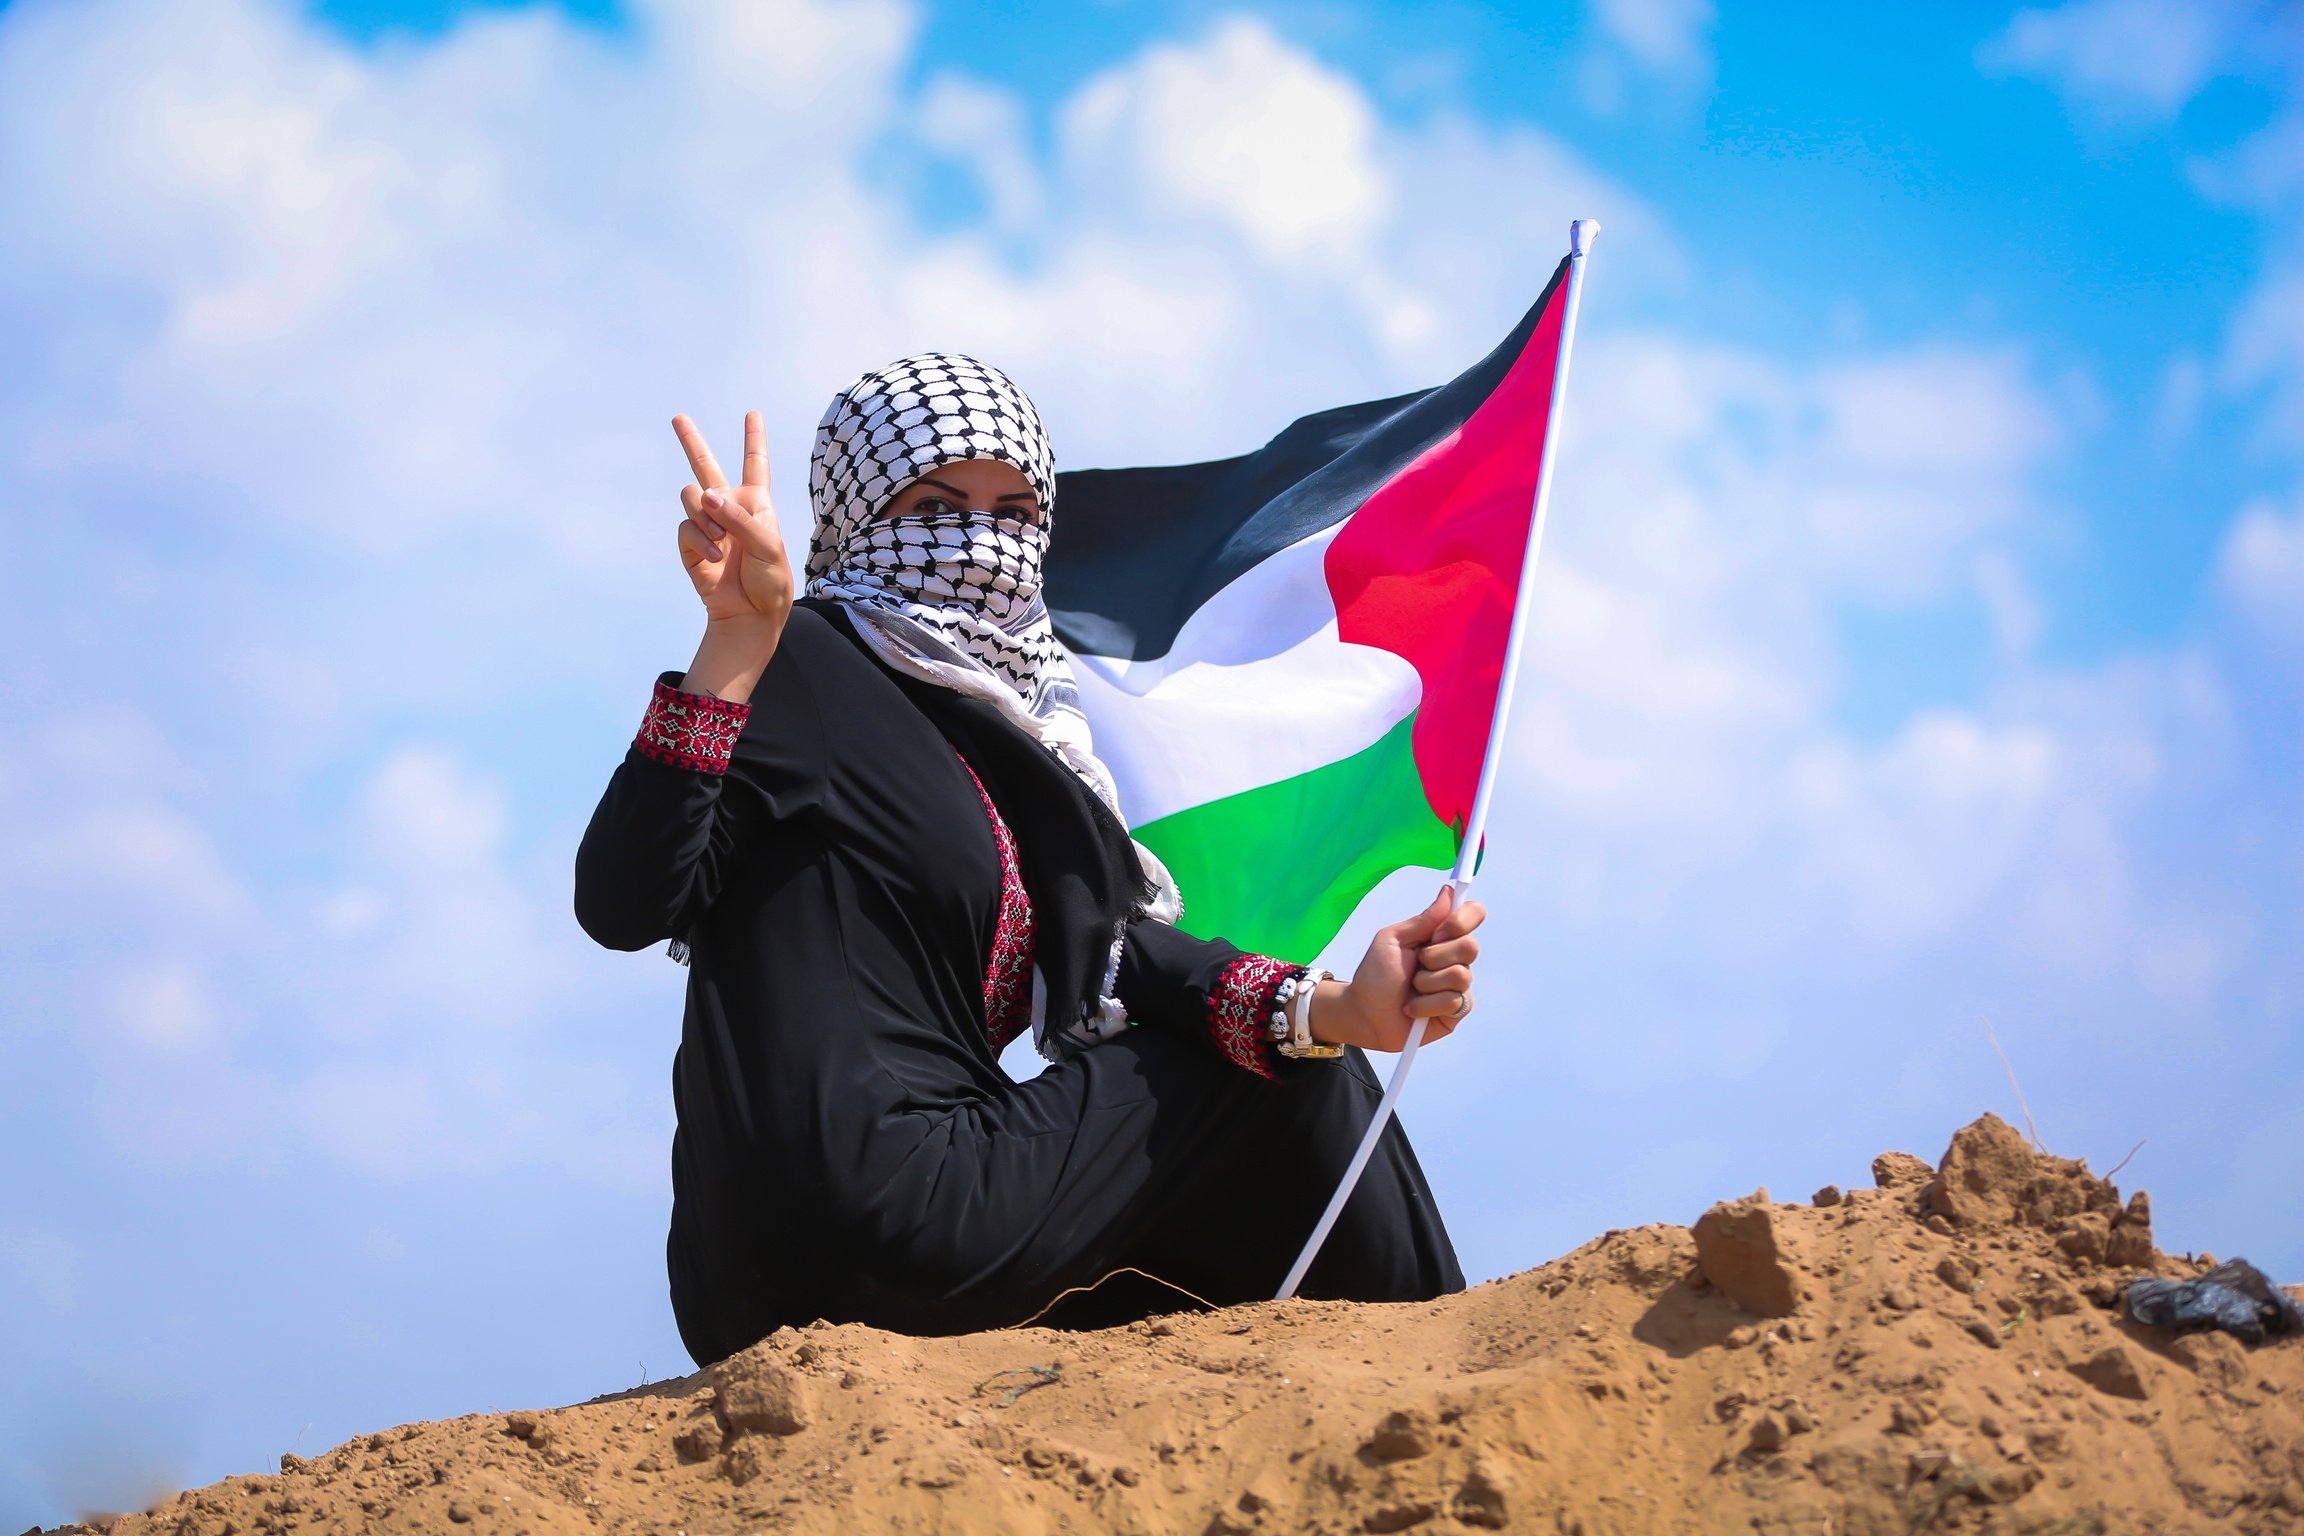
x: 1938, y: 1353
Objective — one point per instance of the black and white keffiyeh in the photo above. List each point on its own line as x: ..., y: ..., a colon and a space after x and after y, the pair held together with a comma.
x: 954, y: 598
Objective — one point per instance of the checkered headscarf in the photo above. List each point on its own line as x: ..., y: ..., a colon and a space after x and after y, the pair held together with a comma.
x: 952, y: 598
x: 897, y: 423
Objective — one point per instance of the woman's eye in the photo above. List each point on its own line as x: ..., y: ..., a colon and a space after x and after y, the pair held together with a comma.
x: 930, y: 506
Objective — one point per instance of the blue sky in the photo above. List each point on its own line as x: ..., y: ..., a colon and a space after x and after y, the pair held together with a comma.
x: 1919, y: 640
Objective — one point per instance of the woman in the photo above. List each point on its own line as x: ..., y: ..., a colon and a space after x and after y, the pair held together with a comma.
x: 873, y: 822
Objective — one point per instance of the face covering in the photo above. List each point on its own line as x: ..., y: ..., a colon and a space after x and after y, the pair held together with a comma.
x: 959, y: 594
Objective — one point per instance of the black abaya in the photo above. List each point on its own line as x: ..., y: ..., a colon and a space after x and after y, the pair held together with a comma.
x: 848, y: 1145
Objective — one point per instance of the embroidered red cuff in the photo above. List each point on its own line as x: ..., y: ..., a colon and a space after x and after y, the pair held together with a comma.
x: 1240, y: 1006
x: 690, y: 730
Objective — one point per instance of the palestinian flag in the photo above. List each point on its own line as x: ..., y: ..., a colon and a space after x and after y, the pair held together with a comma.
x: 1290, y: 659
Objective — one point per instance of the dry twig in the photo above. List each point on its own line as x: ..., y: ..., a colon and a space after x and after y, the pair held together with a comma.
x: 2019, y: 1087
x: 2132, y: 1151
x: 1125, y: 1269
x: 1035, y: 1377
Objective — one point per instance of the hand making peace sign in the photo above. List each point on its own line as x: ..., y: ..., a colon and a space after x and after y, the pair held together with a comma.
x: 730, y: 540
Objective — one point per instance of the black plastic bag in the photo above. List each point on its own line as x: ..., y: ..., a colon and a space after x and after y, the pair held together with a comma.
x: 2234, y: 1296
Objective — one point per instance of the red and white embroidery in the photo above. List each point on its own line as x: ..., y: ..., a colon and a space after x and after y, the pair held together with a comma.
x: 690, y: 730
x: 1239, y: 1005
x: 1008, y: 970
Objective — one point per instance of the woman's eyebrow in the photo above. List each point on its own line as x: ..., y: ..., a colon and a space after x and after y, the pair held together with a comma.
x: 949, y: 489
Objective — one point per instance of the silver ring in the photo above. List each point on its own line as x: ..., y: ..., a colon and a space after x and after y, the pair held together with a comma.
x: 1463, y: 1005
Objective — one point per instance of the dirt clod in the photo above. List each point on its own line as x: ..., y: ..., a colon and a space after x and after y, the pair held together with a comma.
x: 1894, y: 1170
x: 1736, y: 1248
x: 1402, y: 1436
x: 2112, y: 1370
x: 752, y: 1391
x: 1958, y: 1273
x: 1399, y: 1517
x: 700, y: 1442
x: 1483, y: 1500
x: 1768, y: 1435
x: 2129, y: 1244
x: 746, y: 1460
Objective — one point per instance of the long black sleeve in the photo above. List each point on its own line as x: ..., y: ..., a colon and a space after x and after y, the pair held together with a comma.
x: 700, y: 782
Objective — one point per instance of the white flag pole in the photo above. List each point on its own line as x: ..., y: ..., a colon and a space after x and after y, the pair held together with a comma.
x: 1580, y: 235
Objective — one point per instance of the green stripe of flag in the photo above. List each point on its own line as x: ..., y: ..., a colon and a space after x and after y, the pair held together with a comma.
x: 1278, y: 869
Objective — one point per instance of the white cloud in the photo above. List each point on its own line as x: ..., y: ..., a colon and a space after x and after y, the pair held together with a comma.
x: 984, y: 129
x: 1877, y: 475
x: 385, y: 1122
x: 2261, y: 567
x: 1908, y: 839
x: 2177, y: 411
x: 165, y: 1005
x: 1715, y: 507
x: 2264, y: 347
x: 2126, y: 55
x: 1241, y: 126
x: 1657, y: 42
x: 1669, y: 37
x: 235, y: 1019
x: 1918, y: 455
x: 2148, y: 59
x: 2010, y: 604
x: 99, y: 820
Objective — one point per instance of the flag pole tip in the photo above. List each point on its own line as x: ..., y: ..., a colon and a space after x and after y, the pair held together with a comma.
x: 1580, y: 235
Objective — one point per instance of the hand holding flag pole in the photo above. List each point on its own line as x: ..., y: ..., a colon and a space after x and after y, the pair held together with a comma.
x: 1580, y: 236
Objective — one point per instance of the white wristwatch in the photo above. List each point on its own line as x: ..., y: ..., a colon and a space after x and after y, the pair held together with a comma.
x: 1300, y: 1046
